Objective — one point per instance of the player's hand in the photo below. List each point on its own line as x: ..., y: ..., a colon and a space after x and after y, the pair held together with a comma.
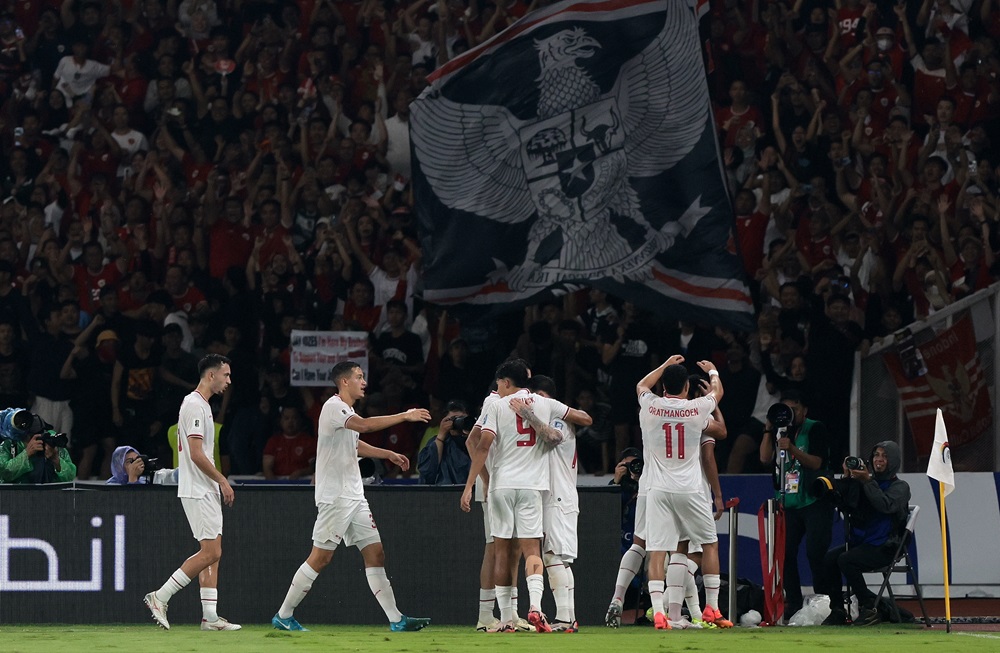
x: 400, y: 460
x: 520, y: 406
x: 676, y: 359
x: 417, y: 415
x: 707, y: 366
x: 467, y: 500
x: 720, y: 508
x: 227, y: 493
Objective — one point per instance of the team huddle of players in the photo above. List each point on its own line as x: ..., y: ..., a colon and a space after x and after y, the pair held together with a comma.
x: 523, y: 452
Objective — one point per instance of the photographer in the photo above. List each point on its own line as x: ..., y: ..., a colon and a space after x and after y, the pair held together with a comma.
x: 445, y: 459
x: 805, y: 445
x: 31, y: 452
x: 628, y: 472
x: 127, y: 467
x: 875, y: 504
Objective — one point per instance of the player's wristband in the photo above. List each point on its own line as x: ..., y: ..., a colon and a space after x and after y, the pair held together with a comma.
x: 713, y: 372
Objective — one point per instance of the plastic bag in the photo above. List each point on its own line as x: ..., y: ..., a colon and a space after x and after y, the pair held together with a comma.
x: 815, y: 609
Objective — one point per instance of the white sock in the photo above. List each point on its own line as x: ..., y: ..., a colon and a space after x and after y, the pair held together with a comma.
x: 559, y: 584
x: 676, y: 571
x: 302, y: 582
x: 712, y: 584
x: 691, y: 590
x: 536, y: 585
x: 486, y: 600
x: 177, y: 581
x: 570, y: 594
x: 656, y: 595
x: 382, y: 589
x: 209, y: 604
x: 503, y: 600
x: 630, y: 565
x: 513, y: 600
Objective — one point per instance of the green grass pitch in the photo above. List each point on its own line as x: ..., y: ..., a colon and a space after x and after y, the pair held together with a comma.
x: 459, y: 639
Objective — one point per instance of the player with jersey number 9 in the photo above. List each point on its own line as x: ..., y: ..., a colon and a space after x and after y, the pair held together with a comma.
x: 517, y: 427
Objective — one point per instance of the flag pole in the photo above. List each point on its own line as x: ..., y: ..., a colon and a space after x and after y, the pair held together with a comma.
x: 944, y: 557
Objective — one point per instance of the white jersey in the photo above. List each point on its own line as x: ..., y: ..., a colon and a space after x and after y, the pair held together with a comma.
x: 196, y: 422
x: 490, y: 398
x: 337, y: 473
x: 520, y: 462
x: 671, y: 436
x: 706, y: 488
x: 562, y: 469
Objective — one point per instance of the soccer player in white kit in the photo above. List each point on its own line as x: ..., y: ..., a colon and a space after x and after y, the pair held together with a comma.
x: 199, y: 487
x: 671, y: 437
x: 560, y: 511
x: 343, y: 512
x: 519, y: 424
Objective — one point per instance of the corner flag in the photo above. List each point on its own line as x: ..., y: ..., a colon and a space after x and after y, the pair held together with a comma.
x: 939, y: 468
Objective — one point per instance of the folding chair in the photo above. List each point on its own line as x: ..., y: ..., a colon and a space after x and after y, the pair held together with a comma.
x: 901, y: 563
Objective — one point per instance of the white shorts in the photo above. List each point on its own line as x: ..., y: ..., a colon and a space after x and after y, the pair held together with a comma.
x: 516, y: 511
x: 347, y: 520
x: 694, y: 547
x: 672, y: 517
x: 204, y: 515
x: 487, y: 526
x: 639, y: 530
x: 560, y: 532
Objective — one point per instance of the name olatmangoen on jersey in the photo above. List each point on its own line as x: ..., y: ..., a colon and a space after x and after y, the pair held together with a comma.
x: 673, y: 412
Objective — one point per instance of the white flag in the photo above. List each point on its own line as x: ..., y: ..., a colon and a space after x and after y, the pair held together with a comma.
x: 939, y: 465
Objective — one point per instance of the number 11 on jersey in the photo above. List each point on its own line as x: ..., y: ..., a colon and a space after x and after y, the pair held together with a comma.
x: 668, y: 430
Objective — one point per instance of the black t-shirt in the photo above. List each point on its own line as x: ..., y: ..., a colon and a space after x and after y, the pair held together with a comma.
x: 13, y: 369
x: 404, y: 351
x: 633, y: 360
x: 138, y: 386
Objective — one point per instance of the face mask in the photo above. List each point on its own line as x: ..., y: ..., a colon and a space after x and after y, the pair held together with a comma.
x: 883, y: 44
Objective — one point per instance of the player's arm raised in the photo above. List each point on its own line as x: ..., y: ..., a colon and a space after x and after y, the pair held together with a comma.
x: 370, y: 424
x: 651, y: 379
x: 714, y: 382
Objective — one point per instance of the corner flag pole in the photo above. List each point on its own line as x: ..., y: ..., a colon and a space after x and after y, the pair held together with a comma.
x: 944, y: 557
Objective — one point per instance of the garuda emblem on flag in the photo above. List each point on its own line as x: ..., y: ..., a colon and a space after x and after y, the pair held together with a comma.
x: 577, y: 147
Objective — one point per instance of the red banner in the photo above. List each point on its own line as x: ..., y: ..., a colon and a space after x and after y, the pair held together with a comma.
x: 944, y: 373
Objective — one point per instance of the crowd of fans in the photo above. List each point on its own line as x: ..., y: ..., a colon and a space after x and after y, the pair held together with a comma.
x: 207, y: 175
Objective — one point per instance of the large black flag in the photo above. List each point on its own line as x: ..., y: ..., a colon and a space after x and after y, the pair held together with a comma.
x: 577, y: 147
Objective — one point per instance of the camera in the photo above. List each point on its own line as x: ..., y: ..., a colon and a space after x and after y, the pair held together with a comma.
x: 780, y: 415
x: 54, y: 439
x: 635, y: 466
x: 854, y: 463
x: 462, y: 423
x: 151, y: 466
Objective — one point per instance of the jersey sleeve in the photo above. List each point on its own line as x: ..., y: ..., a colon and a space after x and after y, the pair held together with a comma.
x: 491, y: 417
x: 646, y: 400
x: 557, y: 409
x: 192, y: 422
x: 336, y: 414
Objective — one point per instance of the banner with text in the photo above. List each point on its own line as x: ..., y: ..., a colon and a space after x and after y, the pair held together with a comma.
x: 314, y: 353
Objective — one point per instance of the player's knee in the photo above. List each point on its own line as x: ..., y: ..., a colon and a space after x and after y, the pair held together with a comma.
x: 374, y: 555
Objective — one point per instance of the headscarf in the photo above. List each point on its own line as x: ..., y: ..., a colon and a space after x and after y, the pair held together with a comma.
x: 119, y: 475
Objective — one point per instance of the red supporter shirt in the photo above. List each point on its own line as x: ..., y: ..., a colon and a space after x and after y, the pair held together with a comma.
x: 750, y: 117
x: 88, y: 285
x: 290, y: 453
x: 189, y: 301
x: 229, y: 244
x: 817, y: 251
x: 750, y: 232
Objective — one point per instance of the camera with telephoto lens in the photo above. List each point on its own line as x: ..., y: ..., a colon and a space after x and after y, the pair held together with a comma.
x: 54, y: 439
x: 780, y: 415
x: 854, y: 463
x: 635, y: 466
x: 462, y: 423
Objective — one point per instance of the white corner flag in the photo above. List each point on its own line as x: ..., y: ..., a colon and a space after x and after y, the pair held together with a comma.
x: 939, y: 465
x: 939, y: 468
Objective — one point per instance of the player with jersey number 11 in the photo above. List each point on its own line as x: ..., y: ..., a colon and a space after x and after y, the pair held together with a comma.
x: 676, y: 512
x: 518, y: 426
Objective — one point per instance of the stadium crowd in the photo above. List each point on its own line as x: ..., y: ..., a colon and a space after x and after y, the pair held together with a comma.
x: 203, y: 176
